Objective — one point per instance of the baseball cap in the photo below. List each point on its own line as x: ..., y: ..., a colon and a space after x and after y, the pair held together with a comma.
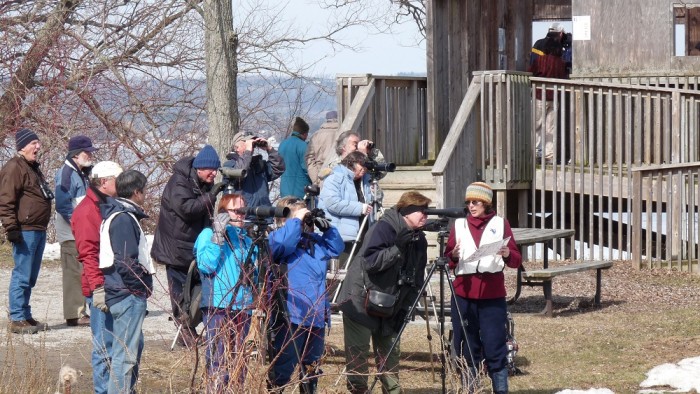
x: 557, y: 27
x: 241, y: 136
x: 105, y: 169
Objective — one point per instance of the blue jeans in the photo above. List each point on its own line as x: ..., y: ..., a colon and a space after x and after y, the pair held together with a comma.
x: 127, y: 345
x: 101, y: 326
x: 27, y: 255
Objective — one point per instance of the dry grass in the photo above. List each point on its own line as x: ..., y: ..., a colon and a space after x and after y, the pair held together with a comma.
x: 648, y: 318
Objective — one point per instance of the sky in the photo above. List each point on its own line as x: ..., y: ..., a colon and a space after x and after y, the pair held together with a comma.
x: 401, y: 51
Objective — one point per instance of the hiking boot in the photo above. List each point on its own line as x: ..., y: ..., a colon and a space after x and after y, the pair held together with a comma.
x: 22, y: 327
x: 40, y: 326
x: 83, y: 321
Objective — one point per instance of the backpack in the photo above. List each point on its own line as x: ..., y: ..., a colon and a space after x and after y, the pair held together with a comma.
x: 512, y: 346
x: 190, y: 312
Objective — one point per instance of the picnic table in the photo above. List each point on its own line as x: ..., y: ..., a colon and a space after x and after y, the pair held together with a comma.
x: 543, y: 277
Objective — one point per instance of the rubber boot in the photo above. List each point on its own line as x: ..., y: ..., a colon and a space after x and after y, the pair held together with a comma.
x: 499, y: 381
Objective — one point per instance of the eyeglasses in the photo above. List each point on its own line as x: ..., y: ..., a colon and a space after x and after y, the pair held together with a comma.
x: 475, y: 203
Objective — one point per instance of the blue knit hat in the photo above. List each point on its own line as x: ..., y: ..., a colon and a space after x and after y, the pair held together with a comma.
x: 24, y: 137
x: 206, y: 158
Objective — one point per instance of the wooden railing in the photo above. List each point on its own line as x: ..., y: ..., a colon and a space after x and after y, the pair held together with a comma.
x: 494, y: 115
x: 665, y: 216
x: 603, y: 132
x: 391, y: 111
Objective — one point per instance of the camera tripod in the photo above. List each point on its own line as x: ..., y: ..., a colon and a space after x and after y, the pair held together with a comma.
x: 440, y: 264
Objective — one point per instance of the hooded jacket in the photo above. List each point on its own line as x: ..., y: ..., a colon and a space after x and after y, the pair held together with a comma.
x: 304, y: 257
x: 22, y: 203
x: 127, y: 275
x: 185, y: 210
x: 221, y: 266
x: 379, y: 265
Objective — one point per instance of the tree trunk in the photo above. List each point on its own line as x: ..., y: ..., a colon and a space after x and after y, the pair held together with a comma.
x: 222, y: 69
x: 22, y: 81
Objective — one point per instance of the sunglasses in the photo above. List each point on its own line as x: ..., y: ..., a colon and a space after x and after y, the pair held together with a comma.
x: 475, y: 203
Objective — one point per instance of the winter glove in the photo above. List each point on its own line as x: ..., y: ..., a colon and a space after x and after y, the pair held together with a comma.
x: 322, y: 224
x: 98, y: 299
x: 216, y: 189
x: 404, y: 238
x: 219, y: 228
x: 14, y: 236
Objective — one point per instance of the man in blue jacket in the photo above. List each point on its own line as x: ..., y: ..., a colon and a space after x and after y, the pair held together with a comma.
x: 71, y: 186
x: 128, y: 272
x: 292, y: 150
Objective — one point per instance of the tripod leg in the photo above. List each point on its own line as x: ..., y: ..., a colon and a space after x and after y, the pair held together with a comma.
x: 430, y: 337
x: 352, y: 254
x: 177, y: 335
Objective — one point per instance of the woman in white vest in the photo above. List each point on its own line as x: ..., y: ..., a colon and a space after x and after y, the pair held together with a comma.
x: 478, y: 308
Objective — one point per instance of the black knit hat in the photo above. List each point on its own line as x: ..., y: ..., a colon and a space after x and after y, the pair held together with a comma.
x: 24, y: 137
x: 300, y: 126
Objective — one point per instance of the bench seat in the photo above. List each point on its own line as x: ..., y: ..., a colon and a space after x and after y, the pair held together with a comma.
x: 544, y: 277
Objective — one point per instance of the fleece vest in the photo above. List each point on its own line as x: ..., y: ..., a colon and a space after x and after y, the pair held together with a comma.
x: 492, y: 233
x: 107, y: 255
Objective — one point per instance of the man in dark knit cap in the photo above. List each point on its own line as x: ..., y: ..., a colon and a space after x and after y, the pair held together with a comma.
x: 25, y: 211
x: 295, y: 177
x: 186, y: 207
x: 71, y: 185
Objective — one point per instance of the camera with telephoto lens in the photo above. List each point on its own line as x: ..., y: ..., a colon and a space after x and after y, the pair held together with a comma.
x: 230, y: 175
x: 373, y: 166
x: 312, y: 215
x: 264, y: 212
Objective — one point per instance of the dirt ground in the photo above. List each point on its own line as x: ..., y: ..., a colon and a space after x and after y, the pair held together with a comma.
x: 647, y: 318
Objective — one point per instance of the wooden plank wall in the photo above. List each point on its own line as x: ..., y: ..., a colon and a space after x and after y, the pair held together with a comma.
x: 629, y: 38
x: 463, y: 37
x: 387, y: 110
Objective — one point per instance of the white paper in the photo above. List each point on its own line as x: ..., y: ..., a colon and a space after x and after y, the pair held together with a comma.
x: 581, y: 28
x: 486, y: 250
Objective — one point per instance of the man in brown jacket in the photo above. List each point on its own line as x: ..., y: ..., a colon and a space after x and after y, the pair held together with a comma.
x: 317, y: 149
x: 25, y: 210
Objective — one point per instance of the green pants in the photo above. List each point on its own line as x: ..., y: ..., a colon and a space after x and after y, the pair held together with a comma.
x: 357, y: 339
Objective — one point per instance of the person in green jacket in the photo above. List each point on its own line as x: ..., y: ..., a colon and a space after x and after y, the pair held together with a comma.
x: 296, y: 176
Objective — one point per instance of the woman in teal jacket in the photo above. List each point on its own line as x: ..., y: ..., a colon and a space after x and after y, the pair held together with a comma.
x: 226, y: 263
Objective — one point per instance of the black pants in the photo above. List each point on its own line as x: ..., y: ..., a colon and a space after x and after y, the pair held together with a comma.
x: 176, y: 282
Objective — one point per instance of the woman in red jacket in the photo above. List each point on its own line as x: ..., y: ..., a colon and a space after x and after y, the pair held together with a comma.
x: 480, y: 293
